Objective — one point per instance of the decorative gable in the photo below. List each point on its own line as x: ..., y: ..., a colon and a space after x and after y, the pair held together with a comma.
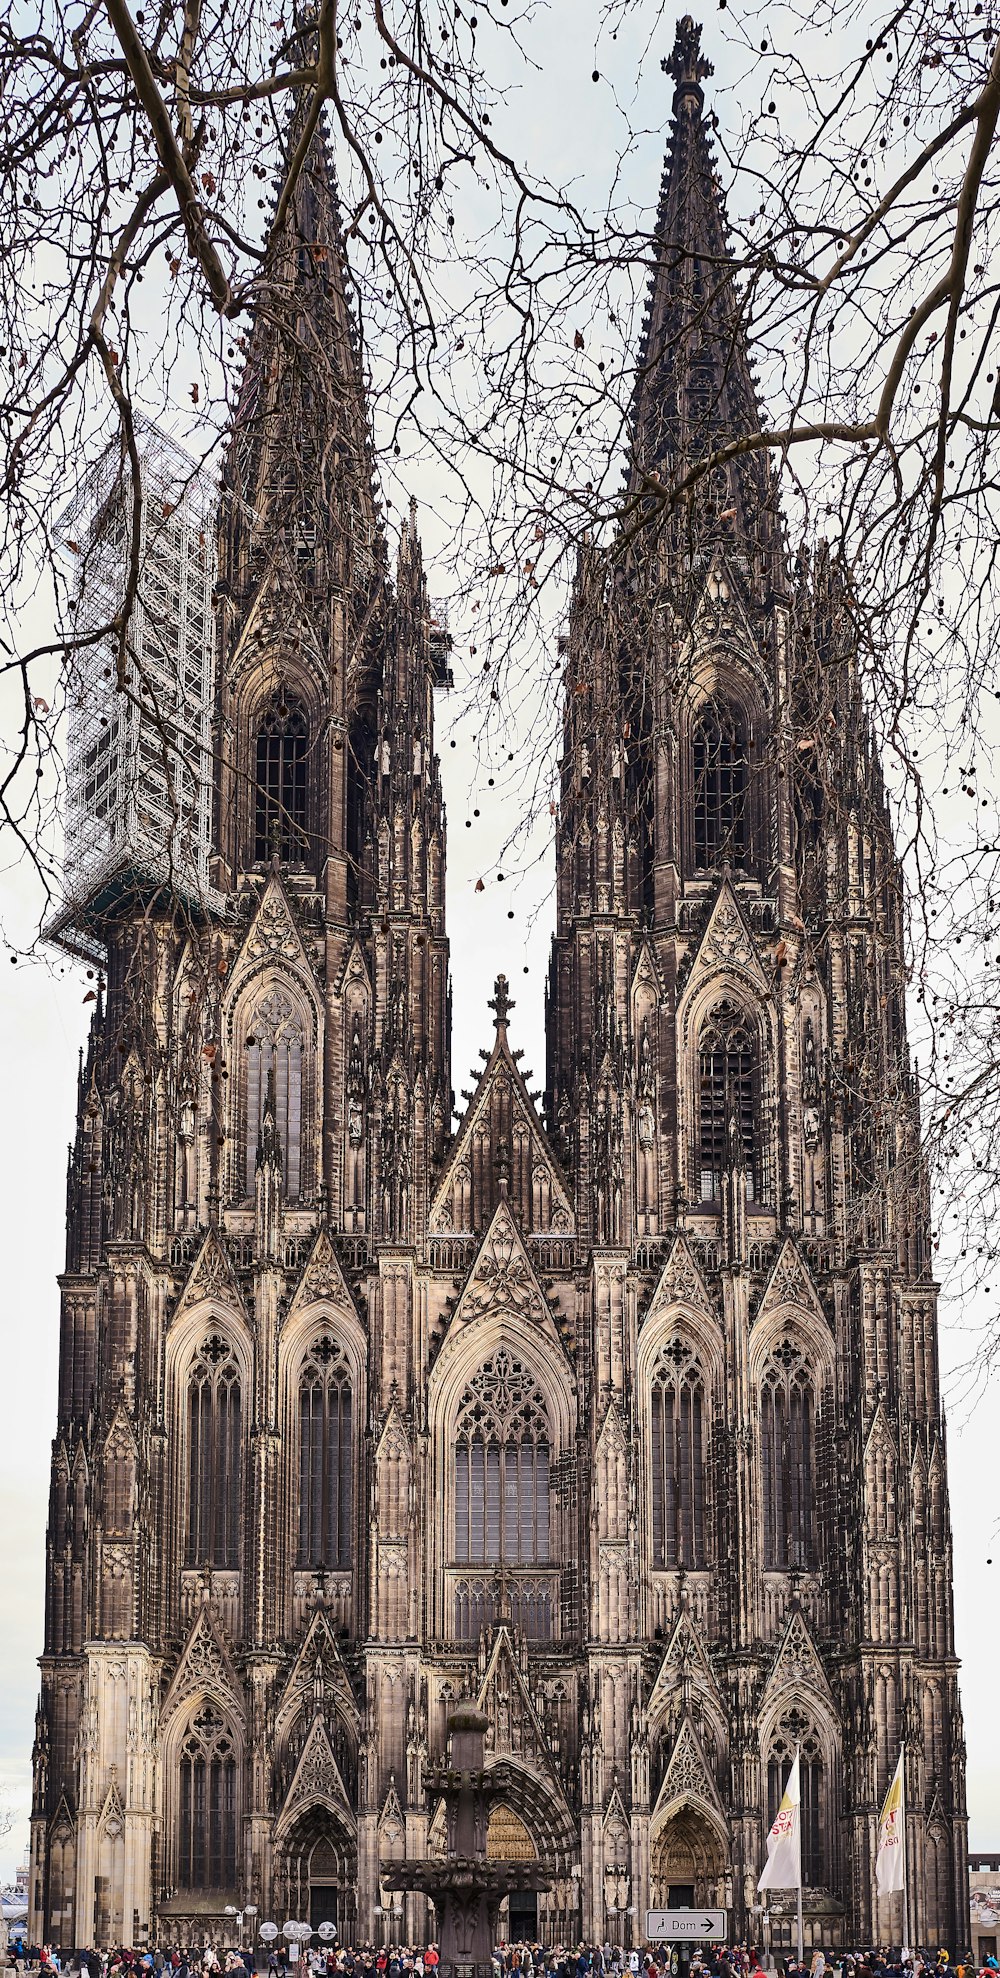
x: 687, y: 1776
x: 503, y: 1279
x: 272, y: 937
x: 797, y: 1665
x: 205, y: 1668
x: 727, y: 946
x: 212, y: 1277
x: 680, y: 1282
x: 318, y: 1668
x: 685, y: 1662
x: 516, y: 1731
x: 790, y: 1283
x: 501, y: 1152
x: 322, y: 1278
x: 316, y: 1779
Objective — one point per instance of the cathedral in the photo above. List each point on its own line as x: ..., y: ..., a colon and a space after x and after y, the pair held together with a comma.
x: 614, y: 1409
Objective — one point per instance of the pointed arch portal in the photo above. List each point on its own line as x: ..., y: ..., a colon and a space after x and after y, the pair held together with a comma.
x: 688, y: 1861
x: 317, y: 1871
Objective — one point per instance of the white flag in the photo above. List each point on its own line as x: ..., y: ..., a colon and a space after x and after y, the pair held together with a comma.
x: 783, y: 1867
x: 890, y: 1854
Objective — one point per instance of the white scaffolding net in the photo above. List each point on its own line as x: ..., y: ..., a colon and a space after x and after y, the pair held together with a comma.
x: 139, y: 763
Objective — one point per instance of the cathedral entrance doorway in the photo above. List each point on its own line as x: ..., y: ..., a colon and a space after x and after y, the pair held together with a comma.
x: 688, y: 1861
x: 317, y: 1872
x: 508, y: 1839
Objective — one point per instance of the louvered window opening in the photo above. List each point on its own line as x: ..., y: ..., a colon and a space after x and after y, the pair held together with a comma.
x: 787, y: 1459
x: 727, y: 1105
x: 502, y: 1469
x: 810, y: 1812
x: 206, y: 1852
x: 720, y: 762
x: 678, y: 1462
x: 282, y: 784
x: 214, y: 1459
x: 326, y: 1495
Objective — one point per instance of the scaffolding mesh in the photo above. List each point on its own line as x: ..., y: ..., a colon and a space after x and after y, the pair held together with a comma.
x: 139, y: 761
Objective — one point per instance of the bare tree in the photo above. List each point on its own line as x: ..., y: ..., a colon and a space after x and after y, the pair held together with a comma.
x: 150, y: 158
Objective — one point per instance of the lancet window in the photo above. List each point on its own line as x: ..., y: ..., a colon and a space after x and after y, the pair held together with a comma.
x: 720, y: 774
x: 502, y: 1468
x: 206, y: 1838
x: 787, y: 1456
x: 678, y: 1457
x: 326, y: 1453
x: 728, y: 1102
x: 214, y: 1456
x: 281, y: 792
x: 796, y: 1730
x: 276, y: 1041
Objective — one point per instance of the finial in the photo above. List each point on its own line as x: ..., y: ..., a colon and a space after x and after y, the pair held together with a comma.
x: 687, y: 65
x: 269, y: 1139
x: 501, y: 1002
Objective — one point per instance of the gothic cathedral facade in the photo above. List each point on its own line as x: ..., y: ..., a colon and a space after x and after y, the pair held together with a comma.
x: 621, y: 1416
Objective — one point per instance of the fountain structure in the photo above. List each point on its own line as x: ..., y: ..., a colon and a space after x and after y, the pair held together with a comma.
x: 465, y: 1885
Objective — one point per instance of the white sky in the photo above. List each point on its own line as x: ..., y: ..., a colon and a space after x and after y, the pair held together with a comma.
x: 556, y: 115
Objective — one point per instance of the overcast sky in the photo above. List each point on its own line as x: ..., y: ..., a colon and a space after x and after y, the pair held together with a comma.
x: 556, y: 114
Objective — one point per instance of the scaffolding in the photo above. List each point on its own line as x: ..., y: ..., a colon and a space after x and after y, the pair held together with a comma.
x: 138, y: 811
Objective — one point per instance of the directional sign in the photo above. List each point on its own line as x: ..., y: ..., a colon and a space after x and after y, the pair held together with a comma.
x: 680, y: 1926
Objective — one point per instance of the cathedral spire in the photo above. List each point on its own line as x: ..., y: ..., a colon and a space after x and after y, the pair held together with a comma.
x: 695, y: 388
x: 299, y: 466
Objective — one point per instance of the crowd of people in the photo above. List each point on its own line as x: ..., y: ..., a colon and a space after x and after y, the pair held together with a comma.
x: 522, y: 1960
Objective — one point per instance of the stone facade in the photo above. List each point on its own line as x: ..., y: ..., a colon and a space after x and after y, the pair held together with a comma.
x: 620, y: 1417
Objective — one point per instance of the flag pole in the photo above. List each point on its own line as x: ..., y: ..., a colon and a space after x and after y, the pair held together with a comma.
x: 906, y: 1879
x: 798, y: 1855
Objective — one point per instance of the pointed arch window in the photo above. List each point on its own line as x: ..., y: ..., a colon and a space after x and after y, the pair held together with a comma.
x: 728, y: 1109
x: 677, y: 1458
x: 214, y: 1425
x: 326, y: 1453
x: 787, y: 1454
x: 276, y: 1039
x: 796, y: 1729
x: 281, y: 777
x: 206, y: 1839
x: 502, y: 1468
x: 720, y: 764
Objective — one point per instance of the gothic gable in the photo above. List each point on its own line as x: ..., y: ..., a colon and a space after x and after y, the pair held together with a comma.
x: 685, y: 1664
x: 790, y: 1284
x: 727, y: 947
x: 797, y: 1665
x: 318, y: 1670
x: 316, y: 1779
x: 501, y: 1151
x: 720, y: 618
x: 272, y: 939
x: 515, y: 1731
x: 205, y: 1668
x: 322, y: 1279
x: 680, y: 1282
x: 212, y: 1278
x: 688, y: 1776
x: 503, y: 1280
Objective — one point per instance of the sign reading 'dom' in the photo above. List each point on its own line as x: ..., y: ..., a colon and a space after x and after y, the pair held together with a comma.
x: 708, y: 1926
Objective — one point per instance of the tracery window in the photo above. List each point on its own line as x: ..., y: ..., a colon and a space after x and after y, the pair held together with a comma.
x: 325, y: 1458
x: 795, y: 1729
x: 720, y: 766
x: 787, y: 1411
x: 206, y: 1837
x: 276, y: 1040
x: 677, y: 1458
x: 502, y: 1468
x: 214, y: 1457
x: 728, y: 1102
x: 281, y: 793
